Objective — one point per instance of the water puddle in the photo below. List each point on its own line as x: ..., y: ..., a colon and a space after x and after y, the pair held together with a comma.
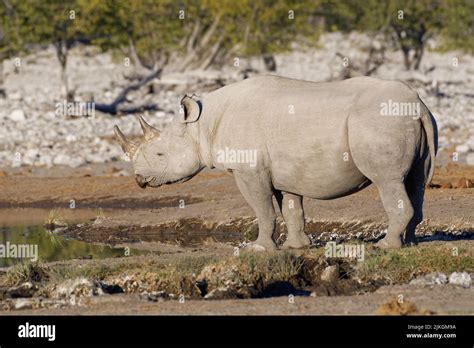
x: 32, y: 243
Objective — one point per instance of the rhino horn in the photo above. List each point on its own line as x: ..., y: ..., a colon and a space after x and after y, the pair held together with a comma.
x: 148, y: 130
x: 127, y: 146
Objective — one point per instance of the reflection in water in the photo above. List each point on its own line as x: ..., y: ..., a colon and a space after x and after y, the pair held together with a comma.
x: 50, y: 246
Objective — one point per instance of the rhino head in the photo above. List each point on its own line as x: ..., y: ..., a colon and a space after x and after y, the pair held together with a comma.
x: 165, y: 157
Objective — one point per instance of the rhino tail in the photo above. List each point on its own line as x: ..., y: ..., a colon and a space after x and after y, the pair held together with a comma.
x: 431, y: 131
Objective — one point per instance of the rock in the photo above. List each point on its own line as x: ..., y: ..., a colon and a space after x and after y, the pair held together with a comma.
x: 61, y: 160
x: 330, y: 274
x: 3, y: 174
x: 23, y: 303
x: 80, y: 287
x: 17, y: 115
x: 462, y: 279
x: 430, y: 279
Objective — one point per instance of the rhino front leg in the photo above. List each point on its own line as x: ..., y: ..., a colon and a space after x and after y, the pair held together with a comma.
x: 291, y: 207
x: 257, y: 191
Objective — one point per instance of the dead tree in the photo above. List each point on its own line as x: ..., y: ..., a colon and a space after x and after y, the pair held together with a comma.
x: 119, y: 106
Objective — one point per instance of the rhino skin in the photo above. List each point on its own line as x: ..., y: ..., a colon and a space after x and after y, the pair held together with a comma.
x: 290, y: 139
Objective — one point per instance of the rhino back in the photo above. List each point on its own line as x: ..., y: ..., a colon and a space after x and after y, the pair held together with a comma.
x: 298, y: 129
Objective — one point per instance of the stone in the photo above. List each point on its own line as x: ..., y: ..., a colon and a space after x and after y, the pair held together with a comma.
x: 79, y: 287
x: 460, y: 278
x: 436, y: 278
x: 17, y: 115
x: 330, y: 274
x: 23, y: 303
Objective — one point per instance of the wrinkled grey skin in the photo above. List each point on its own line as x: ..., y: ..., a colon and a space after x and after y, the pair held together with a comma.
x: 316, y: 140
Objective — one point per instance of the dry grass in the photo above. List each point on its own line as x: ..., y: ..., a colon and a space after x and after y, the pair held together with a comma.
x: 180, y: 274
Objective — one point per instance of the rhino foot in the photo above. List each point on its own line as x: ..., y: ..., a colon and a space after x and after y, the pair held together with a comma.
x: 389, y: 243
x: 261, y: 246
x: 298, y: 242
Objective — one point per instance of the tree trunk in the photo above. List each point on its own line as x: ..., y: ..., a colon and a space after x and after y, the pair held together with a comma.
x: 3, y: 93
x: 62, y: 53
x: 406, y: 58
x: 269, y: 61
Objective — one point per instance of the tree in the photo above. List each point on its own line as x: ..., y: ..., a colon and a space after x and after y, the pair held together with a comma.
x: 409, y: 24
x: 40, y: 22
x: 272, y: 26
x: 189, y: 34
x: 458, y: 29
x: 9, y: 38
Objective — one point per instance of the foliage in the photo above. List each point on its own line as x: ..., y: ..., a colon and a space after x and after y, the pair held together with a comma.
x: 409, y: 23
x: 183, y: 34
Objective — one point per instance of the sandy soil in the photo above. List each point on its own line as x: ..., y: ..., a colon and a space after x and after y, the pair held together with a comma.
x: 432, y: 299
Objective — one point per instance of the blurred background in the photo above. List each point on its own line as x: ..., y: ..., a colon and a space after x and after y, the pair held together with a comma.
x: 72, y: 69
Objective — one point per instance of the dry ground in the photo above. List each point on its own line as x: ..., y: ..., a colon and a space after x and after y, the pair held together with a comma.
x: 215, y: 218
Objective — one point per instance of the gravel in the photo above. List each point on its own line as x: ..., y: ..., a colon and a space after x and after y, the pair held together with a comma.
x: 34, y: 133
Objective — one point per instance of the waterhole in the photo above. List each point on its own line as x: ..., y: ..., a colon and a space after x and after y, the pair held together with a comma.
x: 36, y: 243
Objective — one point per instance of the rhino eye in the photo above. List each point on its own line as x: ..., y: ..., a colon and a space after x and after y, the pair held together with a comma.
x: 160, y: 154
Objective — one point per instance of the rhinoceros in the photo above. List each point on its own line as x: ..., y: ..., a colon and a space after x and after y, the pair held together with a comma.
x: 290, y: 139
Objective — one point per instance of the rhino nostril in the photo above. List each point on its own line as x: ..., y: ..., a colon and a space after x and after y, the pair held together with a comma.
x: 140, y: 180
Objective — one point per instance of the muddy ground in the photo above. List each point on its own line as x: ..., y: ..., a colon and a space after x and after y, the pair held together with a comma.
x: 203, y: 221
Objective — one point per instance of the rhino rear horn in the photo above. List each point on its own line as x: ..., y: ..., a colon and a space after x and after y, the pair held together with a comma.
x: 127, y: 146
x: 148, y: 130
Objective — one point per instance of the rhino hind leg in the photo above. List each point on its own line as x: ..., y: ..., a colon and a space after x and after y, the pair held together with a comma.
x: 291, y: 207
x: 257, y: 191
x: 415, y: 186
x: 399, y: 210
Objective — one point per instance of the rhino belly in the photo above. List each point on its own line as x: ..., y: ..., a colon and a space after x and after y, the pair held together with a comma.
x: 314, y: 160
x: 310, y: 177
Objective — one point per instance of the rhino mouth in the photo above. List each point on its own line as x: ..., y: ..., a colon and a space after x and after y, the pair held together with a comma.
x: 178, y: 181
x: 153, y: 182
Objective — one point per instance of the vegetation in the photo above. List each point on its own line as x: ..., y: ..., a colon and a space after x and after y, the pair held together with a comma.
x: 179, y: 272
x: 188, y: 34
x: 406, y: 24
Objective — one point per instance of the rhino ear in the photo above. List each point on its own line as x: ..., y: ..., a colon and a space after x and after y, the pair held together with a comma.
x: 191, y: 109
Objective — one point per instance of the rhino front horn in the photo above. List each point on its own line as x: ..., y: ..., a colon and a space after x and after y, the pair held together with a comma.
x: 127, y: 146
x: 148, y: 130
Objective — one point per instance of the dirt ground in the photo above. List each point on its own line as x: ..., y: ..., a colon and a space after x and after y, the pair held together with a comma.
x: 207, y: 215
x: 429, y: 299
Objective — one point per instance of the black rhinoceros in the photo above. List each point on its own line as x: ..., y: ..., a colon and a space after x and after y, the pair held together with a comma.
x: 292, y: 139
